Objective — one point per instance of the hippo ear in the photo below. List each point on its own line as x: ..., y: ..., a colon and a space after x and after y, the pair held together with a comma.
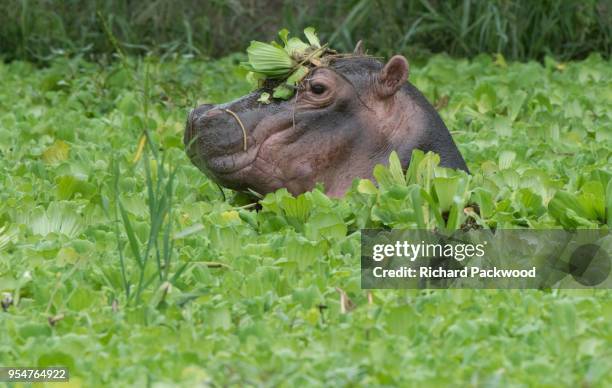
x: 393, y: 76
x: 359, y: 48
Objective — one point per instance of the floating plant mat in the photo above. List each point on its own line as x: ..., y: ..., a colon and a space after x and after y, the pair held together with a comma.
x: 285, y: 65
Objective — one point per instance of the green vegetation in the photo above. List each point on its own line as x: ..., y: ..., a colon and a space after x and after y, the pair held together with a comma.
x: 288, y: 63
x: 519, y: 29
x: 127, y: 265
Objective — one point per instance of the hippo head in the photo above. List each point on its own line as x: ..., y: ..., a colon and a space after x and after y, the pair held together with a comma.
x: 343, y: 120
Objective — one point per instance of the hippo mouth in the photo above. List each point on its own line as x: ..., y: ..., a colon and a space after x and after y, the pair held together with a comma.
x: 228, y: 165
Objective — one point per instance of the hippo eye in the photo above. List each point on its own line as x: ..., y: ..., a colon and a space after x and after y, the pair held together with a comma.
x: 317, y: 88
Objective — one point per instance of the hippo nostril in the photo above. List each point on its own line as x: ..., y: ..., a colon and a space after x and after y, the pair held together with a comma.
x: 200, y: 111
x: 213, y: 112
x: 205, y: 107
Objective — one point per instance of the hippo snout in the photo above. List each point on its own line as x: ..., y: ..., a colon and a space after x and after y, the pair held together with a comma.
x: 190, y: 129
x: 212, y: 131
x: 215, y: 139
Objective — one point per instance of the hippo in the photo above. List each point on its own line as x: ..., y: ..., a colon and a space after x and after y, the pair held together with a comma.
x: 343, y: 120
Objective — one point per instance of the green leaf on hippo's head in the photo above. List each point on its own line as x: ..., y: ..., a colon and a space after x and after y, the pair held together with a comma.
x: 297, y: 76
x: 312, y: 37
x: 266, y: 59
x: 283, y: 92
x: 286, y: 90
x: 296, y: 48
x: 255, y: 79
x: 284, y: 35
x: 289, y: 62
x: 264, y: 98
x: 247, y: 66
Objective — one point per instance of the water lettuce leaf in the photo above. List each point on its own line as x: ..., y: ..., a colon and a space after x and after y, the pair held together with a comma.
x: 289, y: 62
x: 271, y: 61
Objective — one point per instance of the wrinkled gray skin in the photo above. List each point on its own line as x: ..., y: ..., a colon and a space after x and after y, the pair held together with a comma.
x: 345, y: 119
